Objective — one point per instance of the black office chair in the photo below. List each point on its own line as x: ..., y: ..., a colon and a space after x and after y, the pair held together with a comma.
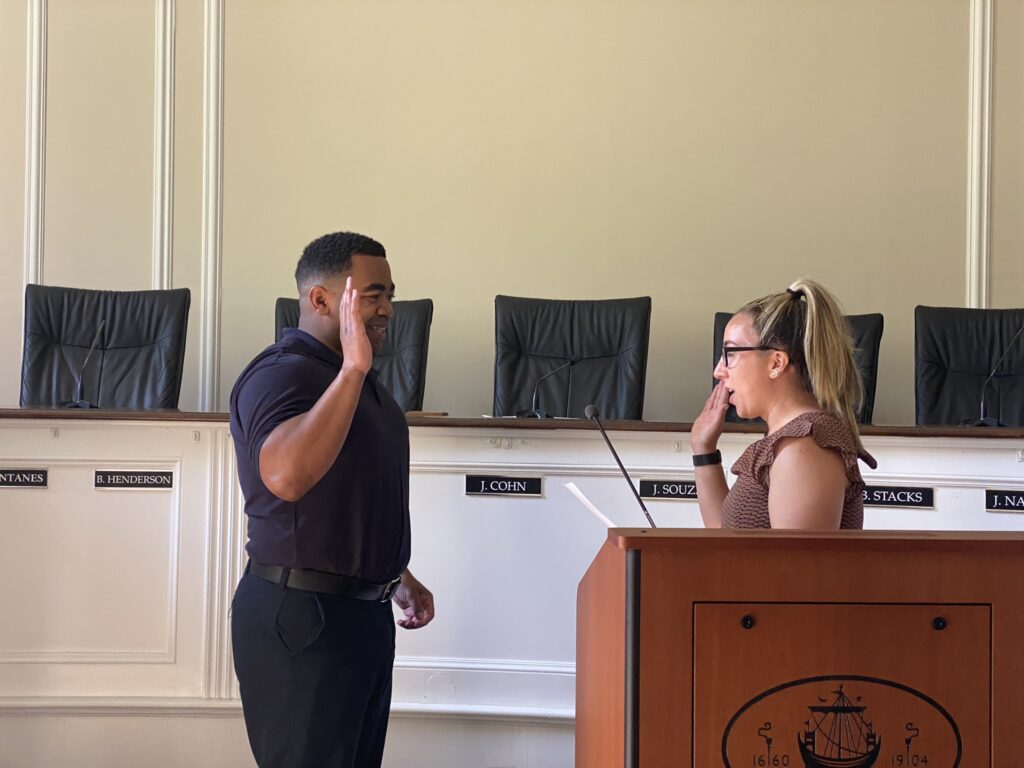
x: 956, y: 377
x: 867, y: 338
x: 533, y: 337
x: 286, y: 315
x: 401, y: 363
x: 103, y: 349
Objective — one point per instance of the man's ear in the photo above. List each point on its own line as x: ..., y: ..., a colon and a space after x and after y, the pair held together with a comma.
x: 319, y: 300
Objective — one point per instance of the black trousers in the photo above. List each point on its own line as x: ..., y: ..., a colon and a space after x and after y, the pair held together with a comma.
x: 315, y: 675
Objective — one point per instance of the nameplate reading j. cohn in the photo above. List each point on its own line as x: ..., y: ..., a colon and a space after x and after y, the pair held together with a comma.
x: 497, y: 485
x: 23, y: 478
x: 117, y: 479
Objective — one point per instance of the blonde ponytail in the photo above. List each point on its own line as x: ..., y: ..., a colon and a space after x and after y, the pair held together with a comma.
x: 817, y: 338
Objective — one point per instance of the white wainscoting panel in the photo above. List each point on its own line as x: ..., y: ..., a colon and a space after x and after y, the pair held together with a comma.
x: 104, y: 589
x: 117, y: 604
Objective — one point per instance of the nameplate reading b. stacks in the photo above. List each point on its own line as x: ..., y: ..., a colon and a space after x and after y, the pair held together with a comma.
x: 1004, y: 501
x: 668, y: 489
x: 494, y: 485
x: 23, y: 478
x: 899, y: 496
x: 111, y: 478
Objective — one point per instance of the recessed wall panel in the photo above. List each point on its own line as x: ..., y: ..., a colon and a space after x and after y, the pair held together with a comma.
x: 99, y: 143
x: 89, y: 581
x: 1007, y: 248
x: 13, y: 55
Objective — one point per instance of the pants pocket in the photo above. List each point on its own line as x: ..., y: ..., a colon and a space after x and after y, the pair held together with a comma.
x: 299, y: 620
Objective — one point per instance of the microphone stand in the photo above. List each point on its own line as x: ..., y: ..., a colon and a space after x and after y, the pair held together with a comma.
x: 983, y: 420
x: 78, y: 402
x: 591, y: 413
x: 537, y: 413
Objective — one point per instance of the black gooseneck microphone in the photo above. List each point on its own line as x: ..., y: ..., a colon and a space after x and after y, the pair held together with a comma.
x: 534, y: 412
x: 591, y: 413
x: 78, y: 402
x: 983, y: 420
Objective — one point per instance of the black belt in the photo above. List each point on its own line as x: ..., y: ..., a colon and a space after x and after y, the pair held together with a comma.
x: 320, y: 581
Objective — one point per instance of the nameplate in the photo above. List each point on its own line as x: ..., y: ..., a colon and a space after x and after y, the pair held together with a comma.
x: 668, y: 489
x: 23, y: 478
x: 496, y: 485
x: 1004, y: 501
x: 899, y: 496
x: 109, y: 478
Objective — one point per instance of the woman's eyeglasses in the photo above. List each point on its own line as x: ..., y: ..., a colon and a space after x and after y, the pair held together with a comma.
x: 726, y: 351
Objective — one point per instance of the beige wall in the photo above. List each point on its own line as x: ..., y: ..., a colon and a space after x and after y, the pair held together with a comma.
x: 698, y: 152
x: 1008, y: 146
x: 12, y: 190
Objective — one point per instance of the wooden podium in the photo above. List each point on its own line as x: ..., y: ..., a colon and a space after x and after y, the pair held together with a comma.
x: 777, y: 649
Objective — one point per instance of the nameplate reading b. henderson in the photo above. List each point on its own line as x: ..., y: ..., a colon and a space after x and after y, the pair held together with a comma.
x: 110, y: 478
x: 23, y: 478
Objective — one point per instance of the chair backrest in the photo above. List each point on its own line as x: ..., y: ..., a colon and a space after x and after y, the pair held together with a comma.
x: 955, y: 350
x: 401, y: 362
x: 867, y: 339
x: 535, y: 336
x: 286, y: 315
x: 139, y: 349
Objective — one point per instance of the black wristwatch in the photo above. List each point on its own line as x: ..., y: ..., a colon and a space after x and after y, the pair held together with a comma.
x: 707, y: 459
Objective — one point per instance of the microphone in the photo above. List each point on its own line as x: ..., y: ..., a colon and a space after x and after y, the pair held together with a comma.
x: 591, y: 413
x: 78, y: 402
x: 983, y: 420
x: 534, y: 412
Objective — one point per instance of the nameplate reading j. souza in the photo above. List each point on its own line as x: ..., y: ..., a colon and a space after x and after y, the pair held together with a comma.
x: 110, y: 478
x: 668, y: 489
x: 899, y: 496
x: 1004, y: 501
x: 23, y: 478
x: 495, y: 485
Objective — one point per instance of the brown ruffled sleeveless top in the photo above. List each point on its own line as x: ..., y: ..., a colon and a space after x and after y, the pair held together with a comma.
x: 746, y: 505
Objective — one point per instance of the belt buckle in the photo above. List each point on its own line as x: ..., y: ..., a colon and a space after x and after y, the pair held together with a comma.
x: 389, y: 590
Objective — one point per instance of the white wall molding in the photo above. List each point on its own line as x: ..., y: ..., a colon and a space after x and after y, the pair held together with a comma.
x: 516, y: 715
x: 977, y: 482
x: 163, y: 146
x: 112, y: 656
x: 213, y: 204
x: 553, y: 470
x: 94, y: 706
x: 442, y: 663
x: 225, y: 557
x: 35, y: 140
x: 979, y: 159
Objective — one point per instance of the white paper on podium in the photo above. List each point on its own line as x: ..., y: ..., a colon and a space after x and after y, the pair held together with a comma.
x: 574, y: 489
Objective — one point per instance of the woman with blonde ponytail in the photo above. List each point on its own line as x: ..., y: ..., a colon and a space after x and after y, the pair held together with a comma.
x: 787, y: 358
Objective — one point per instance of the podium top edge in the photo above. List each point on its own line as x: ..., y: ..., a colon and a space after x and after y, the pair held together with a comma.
x: 640, y: 538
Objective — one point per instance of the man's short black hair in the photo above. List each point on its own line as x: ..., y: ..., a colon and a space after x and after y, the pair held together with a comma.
x: 331, y: 255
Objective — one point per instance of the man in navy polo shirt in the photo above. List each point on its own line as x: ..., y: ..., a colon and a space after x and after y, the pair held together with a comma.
x: 323, y: 460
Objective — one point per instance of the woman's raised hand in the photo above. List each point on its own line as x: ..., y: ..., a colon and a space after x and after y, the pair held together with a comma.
x: 707, y: 427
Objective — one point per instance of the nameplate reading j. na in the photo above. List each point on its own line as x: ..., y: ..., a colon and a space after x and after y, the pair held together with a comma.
x: 495, y: 485
x: 1004, y: 501
x: 112, y: 478
x: 23, y: 478
x: 899, y: 496
x: 668, y: 489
